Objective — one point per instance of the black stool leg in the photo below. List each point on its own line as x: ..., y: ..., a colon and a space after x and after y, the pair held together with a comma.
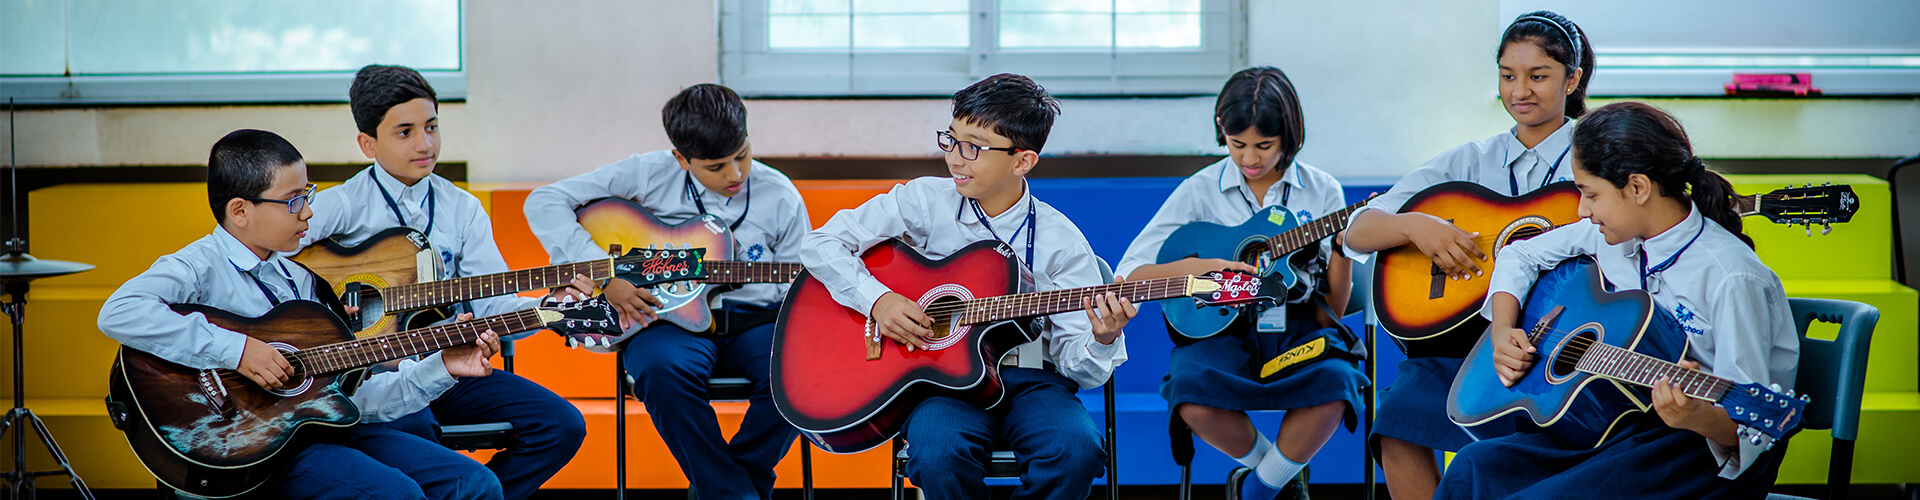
x: 620, y: 431
x: 806, y: 469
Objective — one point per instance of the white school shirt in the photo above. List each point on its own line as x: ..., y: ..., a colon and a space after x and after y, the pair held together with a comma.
x: 1220, y: 195
x: 776, y: 217
x: 208, y: 272
x: 1732, y: 307
x: 461, y: 232
x: 930, y: 215
x: 1500, y: 163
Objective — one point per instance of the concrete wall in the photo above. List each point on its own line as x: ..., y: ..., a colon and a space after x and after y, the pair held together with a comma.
x: 556, y: 88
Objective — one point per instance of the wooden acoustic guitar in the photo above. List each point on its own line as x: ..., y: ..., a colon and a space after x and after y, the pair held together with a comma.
x: 1428, y: 314
x: 393, y: 275
x: 1598, y: 352
x: 847, y: 390
x: 617, y: 221
x: 1270, y: 241
x: 214, y: 434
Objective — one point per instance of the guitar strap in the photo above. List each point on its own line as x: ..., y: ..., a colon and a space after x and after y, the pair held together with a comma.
x: 1031, y: 354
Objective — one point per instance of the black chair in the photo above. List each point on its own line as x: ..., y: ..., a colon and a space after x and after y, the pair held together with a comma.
x: 1904, y: 180
x: 718, y: 389
x: 1003, y: 464
x: 1359, y: 301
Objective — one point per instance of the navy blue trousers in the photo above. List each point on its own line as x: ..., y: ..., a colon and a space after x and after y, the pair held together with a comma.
x: 950, y: 441
x: 547, y: 429
x: 670, y: 367
x: 384, y: 462
x: 1647, y: 459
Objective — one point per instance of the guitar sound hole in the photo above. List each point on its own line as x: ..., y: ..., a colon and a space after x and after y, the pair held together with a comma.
x: 942, y: 326
x: 1256, y: 254
x: 1568, y: 358
x: 1525, y: 232
x: 367, y: 298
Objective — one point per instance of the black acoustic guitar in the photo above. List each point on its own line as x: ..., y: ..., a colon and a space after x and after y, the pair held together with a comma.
x: 214, y: 434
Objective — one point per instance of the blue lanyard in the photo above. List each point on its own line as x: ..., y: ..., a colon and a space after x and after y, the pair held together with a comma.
x: 694, y: 194
x: 981, y: 215
x: 1646, y: 273
x: 396, y: 206
x: 272, y: 298
x: 1514, y: 182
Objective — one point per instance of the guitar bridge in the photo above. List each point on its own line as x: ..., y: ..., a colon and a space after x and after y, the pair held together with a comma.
x: 214, y: 391
x: 873, y: 341
x: 1439, y: 286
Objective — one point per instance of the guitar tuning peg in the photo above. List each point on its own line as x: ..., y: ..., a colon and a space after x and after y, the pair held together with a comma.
x: 1775, y: 386
x: 1768, y: 422
x: 1806, y: 398
x: 1755, y: 439
x: 1826, y: 228
x: 573, y: 343
x: 1809, y: 229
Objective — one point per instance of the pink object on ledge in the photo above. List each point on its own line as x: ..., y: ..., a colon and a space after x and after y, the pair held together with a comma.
x: 1772, y: 85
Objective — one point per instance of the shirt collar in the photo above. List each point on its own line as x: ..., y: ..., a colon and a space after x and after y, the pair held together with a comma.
x: 1026, y: 199
x: 1230, y: 177
x: 401, y: 192
x: 1661, y: 246
x: 1547, y: 151
x: 237, y: 252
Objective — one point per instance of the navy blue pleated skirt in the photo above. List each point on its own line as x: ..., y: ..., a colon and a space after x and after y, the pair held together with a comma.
x: 1414, y: 408
x: 1221, y: 372
x: 1646, y: 460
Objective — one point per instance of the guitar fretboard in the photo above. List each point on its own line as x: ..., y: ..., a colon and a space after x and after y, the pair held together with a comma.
x: 1311, y: 232
x: 1026, y: 305
x: 343, y: 356
x: 437, y: 293
x: 738, y: 272
x: 1616, y: 363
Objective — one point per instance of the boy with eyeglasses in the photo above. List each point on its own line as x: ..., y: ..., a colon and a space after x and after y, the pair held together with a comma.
x: 258, y: 190
x: 999, y: 125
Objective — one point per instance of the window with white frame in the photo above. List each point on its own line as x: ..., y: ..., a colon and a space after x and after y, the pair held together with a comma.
x: 1662, y: 47
x: 185, y: 51
x: 935, y: 47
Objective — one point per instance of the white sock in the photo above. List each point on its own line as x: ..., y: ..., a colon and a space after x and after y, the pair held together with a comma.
x: 1261, y: 448
x: 1276, y: 469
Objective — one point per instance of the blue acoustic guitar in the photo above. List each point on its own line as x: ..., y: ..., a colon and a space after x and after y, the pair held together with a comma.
x: 1598, y: 351
x: 1268, y: 241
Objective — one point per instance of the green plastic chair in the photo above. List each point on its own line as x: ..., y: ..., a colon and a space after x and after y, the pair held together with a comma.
x: 1834, y: 374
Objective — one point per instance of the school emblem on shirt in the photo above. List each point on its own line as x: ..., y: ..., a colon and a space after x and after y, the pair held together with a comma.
x: 755, y: 251
x: 1686, y: 317
x: 446, y: 263
x: 1305, y: 215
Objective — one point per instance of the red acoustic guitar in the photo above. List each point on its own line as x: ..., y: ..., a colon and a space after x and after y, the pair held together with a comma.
x: 848, y: 391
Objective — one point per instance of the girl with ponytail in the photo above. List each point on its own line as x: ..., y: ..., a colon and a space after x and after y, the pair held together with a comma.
x: 1654, y: 219
x: 1543, y: 63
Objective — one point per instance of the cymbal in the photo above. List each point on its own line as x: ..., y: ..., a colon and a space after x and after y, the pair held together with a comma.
x: 20, y: 266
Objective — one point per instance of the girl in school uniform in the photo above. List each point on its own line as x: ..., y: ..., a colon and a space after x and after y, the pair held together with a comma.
x: 1654, y: 219
x: 1211, y: 383
x: 1544, y: 62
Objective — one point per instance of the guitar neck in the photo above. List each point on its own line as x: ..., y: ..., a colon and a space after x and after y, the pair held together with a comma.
x: 1639, y: 369
x: 734, y: 272
x: 333, y: 358
x: 1027, y: 305
x: 443, y: 292
x: 1312, y: 231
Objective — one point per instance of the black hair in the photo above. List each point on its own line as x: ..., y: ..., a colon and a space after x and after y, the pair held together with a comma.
x: 706, y: 122
x: 1010, y: 105
x: 1262, y: 98
x: 242, y: 165
x: 1563, y: 41
x: 1626, y: 138
x: 378, y: 88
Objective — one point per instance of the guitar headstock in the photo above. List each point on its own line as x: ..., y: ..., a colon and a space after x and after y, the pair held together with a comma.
x: 647, y: 267
x: 1228, y: 288
x: 1806, y: 205
x: 581, y: 320
x: 1764, y: 414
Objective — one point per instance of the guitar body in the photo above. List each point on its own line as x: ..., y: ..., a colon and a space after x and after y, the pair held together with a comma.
x: 823, y: 382
x: 623, y: 222
x: 1430, y: 315
x: 392, y: 257
x: 211, y: 443
x: 1577, y: 408
x: 1244, y: 243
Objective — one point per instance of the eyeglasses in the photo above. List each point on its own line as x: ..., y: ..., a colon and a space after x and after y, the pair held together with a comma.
x: 294, y: 204
x: 968, y: 150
